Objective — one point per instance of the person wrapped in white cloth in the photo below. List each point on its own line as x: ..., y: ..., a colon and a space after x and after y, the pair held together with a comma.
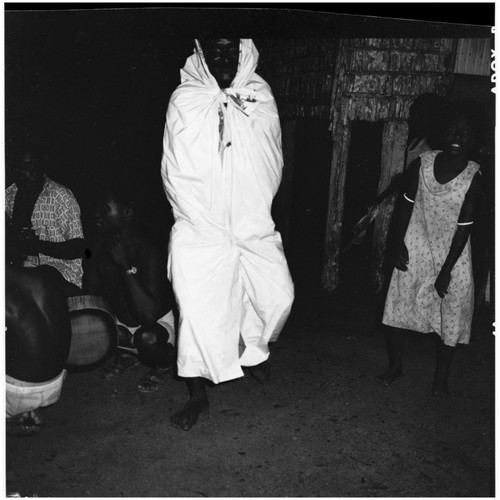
x: 221, y: 167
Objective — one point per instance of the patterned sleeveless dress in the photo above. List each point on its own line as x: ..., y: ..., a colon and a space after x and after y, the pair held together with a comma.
x: 412, y: 302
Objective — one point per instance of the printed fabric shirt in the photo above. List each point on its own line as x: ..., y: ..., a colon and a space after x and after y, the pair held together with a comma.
x: 412, y: 301
x: 55, y: 218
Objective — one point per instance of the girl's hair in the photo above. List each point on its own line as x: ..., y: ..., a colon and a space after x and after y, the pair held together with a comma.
x: 426, y: 105
x: 470, y: 110
x: 425, y: 114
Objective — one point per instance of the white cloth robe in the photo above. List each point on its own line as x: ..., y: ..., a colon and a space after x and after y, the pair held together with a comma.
x: 226, y: 260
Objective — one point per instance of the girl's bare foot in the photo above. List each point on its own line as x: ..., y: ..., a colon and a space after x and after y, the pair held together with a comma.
x: 389, y: 376
x: 440, y: 386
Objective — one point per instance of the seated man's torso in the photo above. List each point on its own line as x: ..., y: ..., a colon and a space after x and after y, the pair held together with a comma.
x: 111, y: 281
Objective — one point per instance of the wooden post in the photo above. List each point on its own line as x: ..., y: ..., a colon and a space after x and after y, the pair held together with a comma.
x: 340, y: 140
x: 330, y: 276
x: 394, y: 137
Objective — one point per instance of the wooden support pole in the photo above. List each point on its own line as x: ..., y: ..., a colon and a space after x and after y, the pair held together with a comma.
x: 330, y: 275
x: 340, y: 140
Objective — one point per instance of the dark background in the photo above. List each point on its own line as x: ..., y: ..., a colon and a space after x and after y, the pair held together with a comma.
x: 88, y: 84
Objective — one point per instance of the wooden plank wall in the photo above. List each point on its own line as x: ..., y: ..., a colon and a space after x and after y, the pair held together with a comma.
x: 343, y: 80
x: 473, y: 56
x: 300, y: 74
x: 378, y: 79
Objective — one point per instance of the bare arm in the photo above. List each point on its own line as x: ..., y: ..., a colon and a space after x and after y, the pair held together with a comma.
x: 71, y: 249
x: 144, y: 290
x: 90, y: 281
x: 460, y: 237
x: 404, y: 216
x: 68, y: 250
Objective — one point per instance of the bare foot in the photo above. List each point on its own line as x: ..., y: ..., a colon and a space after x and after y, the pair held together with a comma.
x: 261, y: 372
x: 121, y: 363
x: 188, y: 416
x: 440, y: 387
x: 152, y: 381
x: 26, y: 424
x: 389, y: 376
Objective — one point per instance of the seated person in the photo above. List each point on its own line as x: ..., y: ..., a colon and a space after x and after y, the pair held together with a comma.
x: 128, y: 268
x: 47, y: 217
x: 37, y: 339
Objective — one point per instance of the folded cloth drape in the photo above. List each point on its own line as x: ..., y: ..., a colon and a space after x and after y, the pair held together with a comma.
x: 221, y: 167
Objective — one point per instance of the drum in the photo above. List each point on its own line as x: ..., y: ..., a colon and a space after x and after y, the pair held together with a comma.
x: 93, y: 333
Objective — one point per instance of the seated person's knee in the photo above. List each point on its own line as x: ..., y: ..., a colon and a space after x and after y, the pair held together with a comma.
x: 152, y: 345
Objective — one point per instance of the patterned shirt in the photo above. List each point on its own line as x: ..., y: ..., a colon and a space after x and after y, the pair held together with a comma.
x: 55, y: 218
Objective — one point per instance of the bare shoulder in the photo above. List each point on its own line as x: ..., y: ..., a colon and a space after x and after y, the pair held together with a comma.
x: 475, y: 184
x: 414, y: 167
x: 150, y: 251
x: 412, y: 176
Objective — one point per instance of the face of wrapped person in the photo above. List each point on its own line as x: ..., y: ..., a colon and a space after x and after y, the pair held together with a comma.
x: 222, y: 56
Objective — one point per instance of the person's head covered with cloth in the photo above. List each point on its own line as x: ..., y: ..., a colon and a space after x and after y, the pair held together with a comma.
x: 224, y: 64
x: 222, y: 58
x: 221, y: 107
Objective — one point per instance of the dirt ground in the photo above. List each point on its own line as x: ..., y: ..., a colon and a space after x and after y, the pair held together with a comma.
x: 321, y: 427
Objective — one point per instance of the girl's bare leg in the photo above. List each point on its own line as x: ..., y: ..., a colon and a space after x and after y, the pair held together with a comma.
x: 395, y: 339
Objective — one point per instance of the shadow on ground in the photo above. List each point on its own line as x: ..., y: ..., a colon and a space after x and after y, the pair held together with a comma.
x: 322, y: 427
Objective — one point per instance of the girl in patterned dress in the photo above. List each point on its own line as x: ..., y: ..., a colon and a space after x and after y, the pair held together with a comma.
x: 432, y: 288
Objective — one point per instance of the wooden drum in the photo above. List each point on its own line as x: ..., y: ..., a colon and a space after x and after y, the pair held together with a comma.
x: 93, y: 332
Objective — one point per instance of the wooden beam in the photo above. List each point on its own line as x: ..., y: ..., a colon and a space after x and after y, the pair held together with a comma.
x: 330, y: 275
x: 340, y: 138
